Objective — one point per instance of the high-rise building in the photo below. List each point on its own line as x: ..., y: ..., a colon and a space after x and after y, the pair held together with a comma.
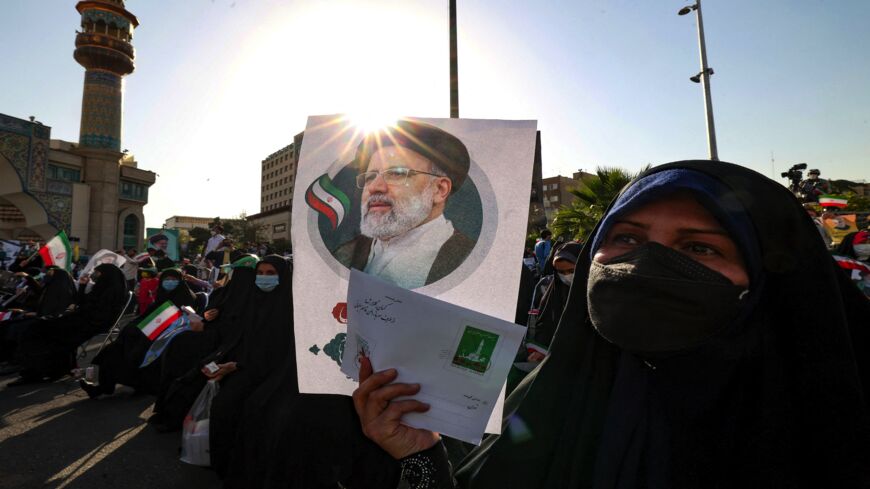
x: 277, y: 181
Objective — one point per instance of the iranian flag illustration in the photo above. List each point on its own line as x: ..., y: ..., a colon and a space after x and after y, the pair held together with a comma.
x: 57, y: 252
x: 324, y: 197
x: 159, y: 320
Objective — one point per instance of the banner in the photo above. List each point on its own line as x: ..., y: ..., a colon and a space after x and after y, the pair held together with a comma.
x: 11, y: 248
x: 839, y: 226
x: 102, y: 257
x: 163, y: 239
x: 439, y: 206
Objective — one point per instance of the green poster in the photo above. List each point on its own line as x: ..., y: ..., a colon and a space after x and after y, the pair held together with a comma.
x: 163, y: 239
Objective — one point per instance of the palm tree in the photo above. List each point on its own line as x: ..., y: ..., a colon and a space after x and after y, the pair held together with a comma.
x: 576, y: 221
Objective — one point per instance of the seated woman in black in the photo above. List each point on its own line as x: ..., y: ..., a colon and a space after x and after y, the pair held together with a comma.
x: 120, y: 361
x: 263, y: 345
x: 58, y: 293
x: 28, y: 290
x: 708, y: 341
x: 182, y: 362
x: 48, y: 347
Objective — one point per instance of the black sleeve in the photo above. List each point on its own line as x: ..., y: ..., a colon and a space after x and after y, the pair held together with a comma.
x: 429, y: 469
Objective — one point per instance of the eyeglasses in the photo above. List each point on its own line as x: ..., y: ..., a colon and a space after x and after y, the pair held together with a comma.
x: 391, y: 176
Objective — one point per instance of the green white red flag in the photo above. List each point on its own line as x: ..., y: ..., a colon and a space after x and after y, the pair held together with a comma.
x: 57, y: 252
x: 327, y: 199
x: 833, y: 201
x: 159, y: 319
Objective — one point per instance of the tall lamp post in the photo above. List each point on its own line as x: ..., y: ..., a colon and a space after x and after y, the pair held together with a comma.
x: 703, y: 77
x: 454, y: 69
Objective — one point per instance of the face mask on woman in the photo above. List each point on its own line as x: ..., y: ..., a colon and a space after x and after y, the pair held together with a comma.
x: 657, y: 300
x: 566, y: 278
x: 266, y: 283
x: 169, y: 284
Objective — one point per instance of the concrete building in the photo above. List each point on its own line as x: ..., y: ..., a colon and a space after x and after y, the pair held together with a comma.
x: 557, y: 193
x: 92, y: 190
x: 187, y: 222
x: 277, y: 181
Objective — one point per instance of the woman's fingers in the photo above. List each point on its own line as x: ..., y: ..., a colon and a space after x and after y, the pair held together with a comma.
x: 389, y: 392
x: 396, y: 438
x: 397, y: 409
x: 365, y: 368
x: 372, y: 383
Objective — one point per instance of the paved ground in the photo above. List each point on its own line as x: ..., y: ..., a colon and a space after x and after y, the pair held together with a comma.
x: 52, y: 435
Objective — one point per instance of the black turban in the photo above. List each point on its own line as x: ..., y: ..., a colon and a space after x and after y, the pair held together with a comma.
x: 158, y: 237
x: 443, y: 149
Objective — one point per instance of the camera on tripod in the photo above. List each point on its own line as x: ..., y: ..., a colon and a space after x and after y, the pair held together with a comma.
x: 795, y: 175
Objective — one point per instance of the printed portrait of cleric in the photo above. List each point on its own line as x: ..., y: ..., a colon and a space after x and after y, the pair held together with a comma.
x: 407, y: 176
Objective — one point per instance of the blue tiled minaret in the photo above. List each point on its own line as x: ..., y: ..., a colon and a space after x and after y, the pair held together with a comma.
x: 103, y: 47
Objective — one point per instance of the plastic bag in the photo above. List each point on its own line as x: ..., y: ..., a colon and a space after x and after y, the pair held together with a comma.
x: 194, y: 433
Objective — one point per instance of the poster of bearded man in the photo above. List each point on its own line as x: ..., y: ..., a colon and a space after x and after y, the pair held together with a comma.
x: 439, y: 206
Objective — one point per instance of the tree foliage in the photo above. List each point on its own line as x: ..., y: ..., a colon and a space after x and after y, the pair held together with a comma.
x: 198, y: 239
x: 576, y: 221
x: 857, y: 203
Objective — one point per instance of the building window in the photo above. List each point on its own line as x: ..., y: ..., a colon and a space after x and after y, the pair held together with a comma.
x: 131, y: 232
x: 64, y: 174
x: 134, y: 191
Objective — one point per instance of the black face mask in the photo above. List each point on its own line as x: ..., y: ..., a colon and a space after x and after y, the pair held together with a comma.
x: 657, y: 300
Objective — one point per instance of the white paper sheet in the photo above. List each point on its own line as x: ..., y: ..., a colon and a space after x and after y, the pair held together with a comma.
x: 459, y: 357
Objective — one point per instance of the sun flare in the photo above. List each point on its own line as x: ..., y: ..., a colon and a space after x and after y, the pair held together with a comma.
x: 372, y: 121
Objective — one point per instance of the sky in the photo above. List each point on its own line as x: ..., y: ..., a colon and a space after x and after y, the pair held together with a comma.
x: 221, y: 84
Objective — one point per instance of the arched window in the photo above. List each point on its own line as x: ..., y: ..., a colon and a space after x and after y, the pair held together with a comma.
x: 131, y: 231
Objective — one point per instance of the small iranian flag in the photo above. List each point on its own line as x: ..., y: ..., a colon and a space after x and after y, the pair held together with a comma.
x: 57, y: 252
x: 159, y: 320
x: 832, y: 201
x: 532, y: 347
x: 6, y: 315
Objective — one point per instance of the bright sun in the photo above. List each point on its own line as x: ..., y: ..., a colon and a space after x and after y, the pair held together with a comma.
x: 368, y: 121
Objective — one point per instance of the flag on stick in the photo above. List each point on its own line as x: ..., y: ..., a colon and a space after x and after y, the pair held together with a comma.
x: 833, y: 201
x: 57, y: 252
x: 180, y: 325
x: 159, y: 320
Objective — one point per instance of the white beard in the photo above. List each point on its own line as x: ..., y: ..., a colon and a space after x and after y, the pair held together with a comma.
x: 402, y: 217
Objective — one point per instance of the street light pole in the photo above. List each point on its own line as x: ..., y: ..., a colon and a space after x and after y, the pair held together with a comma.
x: 708, y: 101
x: 454, y: 68
x: 704, y: 75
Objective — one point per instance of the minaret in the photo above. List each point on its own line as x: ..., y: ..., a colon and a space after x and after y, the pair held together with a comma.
x: 103, y: 48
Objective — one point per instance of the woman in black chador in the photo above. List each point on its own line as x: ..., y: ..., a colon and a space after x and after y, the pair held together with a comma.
x: 181, y: 377
x: 306, y: 441
x: 48, y: 347
x: 709, y: 341
x: 264, y: 342
x: 58, y: 293
x: 120, y: 361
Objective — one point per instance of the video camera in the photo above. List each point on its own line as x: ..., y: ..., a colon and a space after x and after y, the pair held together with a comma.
x: 795, y: 175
